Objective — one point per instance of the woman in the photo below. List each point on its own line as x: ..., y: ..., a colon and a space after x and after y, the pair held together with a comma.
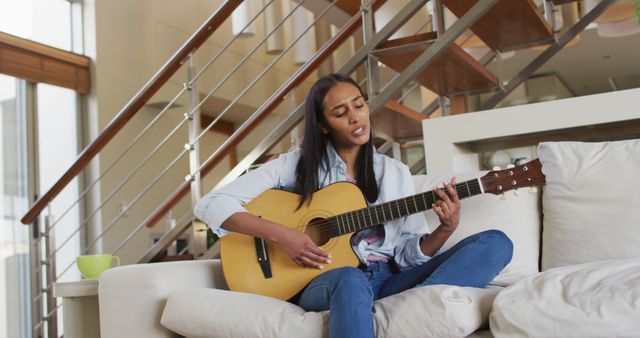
x: 338, y: 146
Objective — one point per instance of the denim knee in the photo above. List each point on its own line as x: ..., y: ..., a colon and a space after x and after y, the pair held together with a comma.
x: 350, y: 280
x: 499, y: 242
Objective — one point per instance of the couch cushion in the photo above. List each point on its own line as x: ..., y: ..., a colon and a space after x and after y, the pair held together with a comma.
x: 517, y: 216
x: 591, y: 201
x: 432, y: 311
x: 598, y: 299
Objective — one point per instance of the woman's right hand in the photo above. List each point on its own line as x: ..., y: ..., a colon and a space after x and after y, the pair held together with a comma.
x: 302, y: 250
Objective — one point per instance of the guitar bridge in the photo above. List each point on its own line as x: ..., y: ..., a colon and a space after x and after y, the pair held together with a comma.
x: 263, y: 257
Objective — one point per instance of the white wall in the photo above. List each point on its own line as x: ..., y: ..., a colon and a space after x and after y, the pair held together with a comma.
x: 447, y: 139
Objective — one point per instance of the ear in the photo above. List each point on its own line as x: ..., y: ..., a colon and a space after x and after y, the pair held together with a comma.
x: 322, y: 128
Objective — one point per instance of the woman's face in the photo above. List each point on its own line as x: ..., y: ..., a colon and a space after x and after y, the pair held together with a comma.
x: 347, y: 116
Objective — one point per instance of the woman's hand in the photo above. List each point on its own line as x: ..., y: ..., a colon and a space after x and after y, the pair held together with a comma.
x: 448, y: 206
x: 302, y: 249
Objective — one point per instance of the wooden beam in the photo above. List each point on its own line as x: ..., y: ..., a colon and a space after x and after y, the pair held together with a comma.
x: 458, y: 104
x: 40, y: 63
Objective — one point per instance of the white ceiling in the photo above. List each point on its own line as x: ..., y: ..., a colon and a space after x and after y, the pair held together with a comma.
x: 586, y: 67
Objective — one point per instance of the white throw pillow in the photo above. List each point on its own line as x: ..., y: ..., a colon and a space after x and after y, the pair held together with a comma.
x: 591, y: 201
x: 597, y: 299
x: 517, y: 216
x: 201, y: 313
x: 431, y: 311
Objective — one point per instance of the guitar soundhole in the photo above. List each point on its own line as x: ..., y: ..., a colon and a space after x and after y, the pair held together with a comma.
x: 319, y: 231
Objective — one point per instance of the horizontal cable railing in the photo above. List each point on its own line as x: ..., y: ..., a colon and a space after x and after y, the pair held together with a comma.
x: 134, y: 105
x: 155, y: 150
x: 127, y: 148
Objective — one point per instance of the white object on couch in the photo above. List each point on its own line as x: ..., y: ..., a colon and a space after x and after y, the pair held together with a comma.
x: 132, y: 297
x: 517, y: 216
x: 597, y: 299
x: 431, y: 311
x: 591, y: 201
x: 189, y: 297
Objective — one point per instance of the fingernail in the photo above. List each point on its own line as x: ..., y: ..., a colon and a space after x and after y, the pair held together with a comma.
x: 328, y: 261
x: 321, y: 267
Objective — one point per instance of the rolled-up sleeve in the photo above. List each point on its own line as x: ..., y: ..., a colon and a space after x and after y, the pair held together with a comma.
x: 408, y: 253
x: 215, y: 207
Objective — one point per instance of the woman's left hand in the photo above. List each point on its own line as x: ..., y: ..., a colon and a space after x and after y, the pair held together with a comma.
x: 448, y: 206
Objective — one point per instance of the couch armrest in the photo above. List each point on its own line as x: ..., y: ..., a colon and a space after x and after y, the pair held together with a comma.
x: 133, y: 297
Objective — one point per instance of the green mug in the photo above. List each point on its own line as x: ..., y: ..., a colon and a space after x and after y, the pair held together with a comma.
x: 91, y: 266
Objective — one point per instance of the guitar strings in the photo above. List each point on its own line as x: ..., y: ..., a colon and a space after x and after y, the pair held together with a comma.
x: 379, y: 210
x: 331, y: 224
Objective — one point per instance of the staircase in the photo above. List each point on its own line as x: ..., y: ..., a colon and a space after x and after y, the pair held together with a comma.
x: 389, y: 69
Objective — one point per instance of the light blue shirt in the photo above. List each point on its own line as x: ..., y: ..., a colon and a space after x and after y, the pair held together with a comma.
x: 402, y: 236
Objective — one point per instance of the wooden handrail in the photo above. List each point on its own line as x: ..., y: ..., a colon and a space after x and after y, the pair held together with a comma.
x: 263, y: 111
x: 134, y: 105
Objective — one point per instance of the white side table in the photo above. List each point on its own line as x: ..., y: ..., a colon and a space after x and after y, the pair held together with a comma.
x: 80, y: 308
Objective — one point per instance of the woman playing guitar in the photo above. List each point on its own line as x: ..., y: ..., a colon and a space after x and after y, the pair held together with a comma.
x: 395, y: 256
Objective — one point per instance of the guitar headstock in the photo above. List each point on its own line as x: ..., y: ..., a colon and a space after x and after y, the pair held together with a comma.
x: 525, y: 175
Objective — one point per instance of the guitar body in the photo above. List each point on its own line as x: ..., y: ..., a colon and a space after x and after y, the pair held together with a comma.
x: 240, y: 265
x: 256, y: 266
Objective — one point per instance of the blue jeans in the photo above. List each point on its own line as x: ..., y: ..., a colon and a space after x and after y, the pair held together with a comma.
x: 349, y: 292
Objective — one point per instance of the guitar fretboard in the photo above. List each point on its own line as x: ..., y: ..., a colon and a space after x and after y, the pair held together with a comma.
x: 379, y: 214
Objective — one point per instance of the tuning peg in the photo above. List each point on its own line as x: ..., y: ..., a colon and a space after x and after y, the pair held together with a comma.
x: 496, y: 168
x: 509, y: 166
x: 516, y: 192
x: 533, y: 190
x: 503, y: 197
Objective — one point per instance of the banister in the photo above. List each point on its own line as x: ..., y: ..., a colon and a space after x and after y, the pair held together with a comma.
x: 262, y: 112
x: 133, y: 106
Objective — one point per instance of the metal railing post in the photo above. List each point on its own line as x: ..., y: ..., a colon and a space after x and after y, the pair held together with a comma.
x: 198, y: 233
x: 371, y: 64
x: 50, y: 314
x: 438, y: 14
x: 549, y: 15
x: 37, y: 308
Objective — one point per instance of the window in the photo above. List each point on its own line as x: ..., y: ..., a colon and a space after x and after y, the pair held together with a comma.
x: 15, y: 285
x: 51, y: 22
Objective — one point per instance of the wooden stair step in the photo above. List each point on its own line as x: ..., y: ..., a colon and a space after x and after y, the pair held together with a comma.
x: 398, y: 121
x: 454, y: 71
x: 508, y: 25
x: 352, y: 7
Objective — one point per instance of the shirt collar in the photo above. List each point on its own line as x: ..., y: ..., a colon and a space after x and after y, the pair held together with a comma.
x: 335, y: 160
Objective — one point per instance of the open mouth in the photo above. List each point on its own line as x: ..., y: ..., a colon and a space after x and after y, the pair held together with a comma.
x: 360, y: 131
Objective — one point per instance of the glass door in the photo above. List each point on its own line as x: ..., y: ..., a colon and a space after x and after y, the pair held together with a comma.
x: 15, y: 281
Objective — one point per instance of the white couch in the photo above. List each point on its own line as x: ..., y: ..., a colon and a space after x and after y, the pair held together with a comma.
x: 583, y: 230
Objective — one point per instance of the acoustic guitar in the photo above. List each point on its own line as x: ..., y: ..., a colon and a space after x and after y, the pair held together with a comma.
x: 256, y: 266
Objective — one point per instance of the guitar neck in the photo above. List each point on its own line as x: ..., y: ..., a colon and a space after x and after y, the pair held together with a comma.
x: 379, y: 214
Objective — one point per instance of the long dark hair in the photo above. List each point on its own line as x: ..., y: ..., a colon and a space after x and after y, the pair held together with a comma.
x: 314, y: 145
